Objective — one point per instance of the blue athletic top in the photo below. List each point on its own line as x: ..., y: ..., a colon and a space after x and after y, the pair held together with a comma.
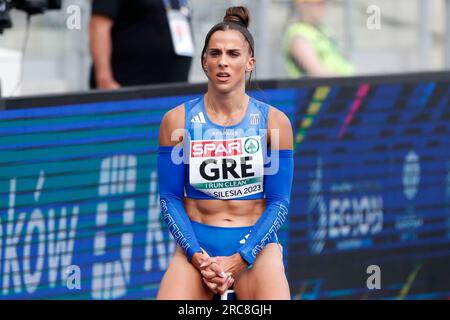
x: 225, y: 162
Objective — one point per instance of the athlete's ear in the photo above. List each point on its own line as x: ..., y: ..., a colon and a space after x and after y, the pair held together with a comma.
x: 250, y: 64
x: 205, y: 69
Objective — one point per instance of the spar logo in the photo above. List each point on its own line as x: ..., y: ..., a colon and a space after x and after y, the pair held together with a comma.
x: 219, y: 148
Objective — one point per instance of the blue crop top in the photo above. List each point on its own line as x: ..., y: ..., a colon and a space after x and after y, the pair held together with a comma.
x: 225, y: 163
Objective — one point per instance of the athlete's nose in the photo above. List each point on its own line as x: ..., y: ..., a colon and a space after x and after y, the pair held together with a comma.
x: 223, y: 61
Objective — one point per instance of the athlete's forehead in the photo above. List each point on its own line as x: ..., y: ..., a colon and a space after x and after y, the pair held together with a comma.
x: 227, y: 40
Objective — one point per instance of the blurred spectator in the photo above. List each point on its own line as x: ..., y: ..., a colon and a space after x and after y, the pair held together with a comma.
x: 131, y: 42
x: 309, y: 47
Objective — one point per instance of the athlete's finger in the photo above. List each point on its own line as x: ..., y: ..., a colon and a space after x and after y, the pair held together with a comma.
x: 208, y: 261
x: 217, y: 280
x: 208, y: 274
x: 218, y: 270
x: 211, y: 286
x: 215, y: 267
x: 223, y: 288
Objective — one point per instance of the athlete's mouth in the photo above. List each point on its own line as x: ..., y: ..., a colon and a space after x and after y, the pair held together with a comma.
x: 223, y: 76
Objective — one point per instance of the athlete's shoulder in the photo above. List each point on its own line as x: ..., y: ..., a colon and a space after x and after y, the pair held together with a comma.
x: 262, y: 106
x: 177, y: 114
x: 172, y: 120
x: 193, y: 103
x: 259, y: 103
x: 278, y: 119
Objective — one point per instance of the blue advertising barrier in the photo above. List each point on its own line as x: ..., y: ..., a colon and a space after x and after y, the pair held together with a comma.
x: 79, y: 205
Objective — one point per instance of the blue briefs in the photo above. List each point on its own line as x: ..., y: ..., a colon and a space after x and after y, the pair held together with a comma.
x: 222, y: 241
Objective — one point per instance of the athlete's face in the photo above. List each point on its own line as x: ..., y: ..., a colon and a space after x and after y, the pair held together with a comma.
x: 227, y: 60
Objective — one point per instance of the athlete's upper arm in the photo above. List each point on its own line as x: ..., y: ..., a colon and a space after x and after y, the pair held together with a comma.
x: 172, y: 127
x: 279, y: 128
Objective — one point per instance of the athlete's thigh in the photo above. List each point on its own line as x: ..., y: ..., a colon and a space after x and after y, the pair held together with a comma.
x: 182, y: 281
x: 266, y: 279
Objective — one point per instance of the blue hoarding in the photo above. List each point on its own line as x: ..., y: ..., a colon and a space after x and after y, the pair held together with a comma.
x: 79, y: 209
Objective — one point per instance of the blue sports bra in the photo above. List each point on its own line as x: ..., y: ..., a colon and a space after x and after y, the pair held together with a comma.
x: 225, y: 163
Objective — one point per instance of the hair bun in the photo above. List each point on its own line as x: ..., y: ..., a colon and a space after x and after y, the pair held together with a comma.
x: 239, y: 15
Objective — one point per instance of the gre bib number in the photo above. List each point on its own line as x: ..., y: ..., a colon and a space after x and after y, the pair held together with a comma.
x: 227, y: 169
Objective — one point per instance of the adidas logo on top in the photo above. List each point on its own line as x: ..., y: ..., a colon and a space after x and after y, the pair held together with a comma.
x: 199, y: 118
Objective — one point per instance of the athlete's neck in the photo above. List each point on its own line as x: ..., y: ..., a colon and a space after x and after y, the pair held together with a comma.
x: 227, y: 103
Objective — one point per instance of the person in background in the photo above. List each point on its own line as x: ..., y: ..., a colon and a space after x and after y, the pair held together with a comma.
x: 139, y: 42
x: 309, y: 47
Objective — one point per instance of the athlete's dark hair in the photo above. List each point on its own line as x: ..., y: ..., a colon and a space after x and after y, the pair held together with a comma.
x: 236, y: 18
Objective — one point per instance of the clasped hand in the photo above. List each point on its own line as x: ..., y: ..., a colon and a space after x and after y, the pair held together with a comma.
x: 218, y: 273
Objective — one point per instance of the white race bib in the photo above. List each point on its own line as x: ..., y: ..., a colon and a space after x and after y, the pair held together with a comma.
x: 227, y: 169
x: 181, y: 33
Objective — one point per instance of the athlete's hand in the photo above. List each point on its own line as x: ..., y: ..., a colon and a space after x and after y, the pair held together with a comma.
x: 198, y: 258
x: 214, y: 277
x: 219, y: 272
x: 233, y: 264
x: 218, y: 285
x: 212, y: 274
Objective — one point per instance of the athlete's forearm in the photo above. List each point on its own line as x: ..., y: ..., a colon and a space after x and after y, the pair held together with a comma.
x: 171, y: 186
x: 278, y: 191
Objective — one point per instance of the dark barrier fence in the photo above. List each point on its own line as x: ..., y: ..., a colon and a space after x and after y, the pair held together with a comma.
x: 370, y: 211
